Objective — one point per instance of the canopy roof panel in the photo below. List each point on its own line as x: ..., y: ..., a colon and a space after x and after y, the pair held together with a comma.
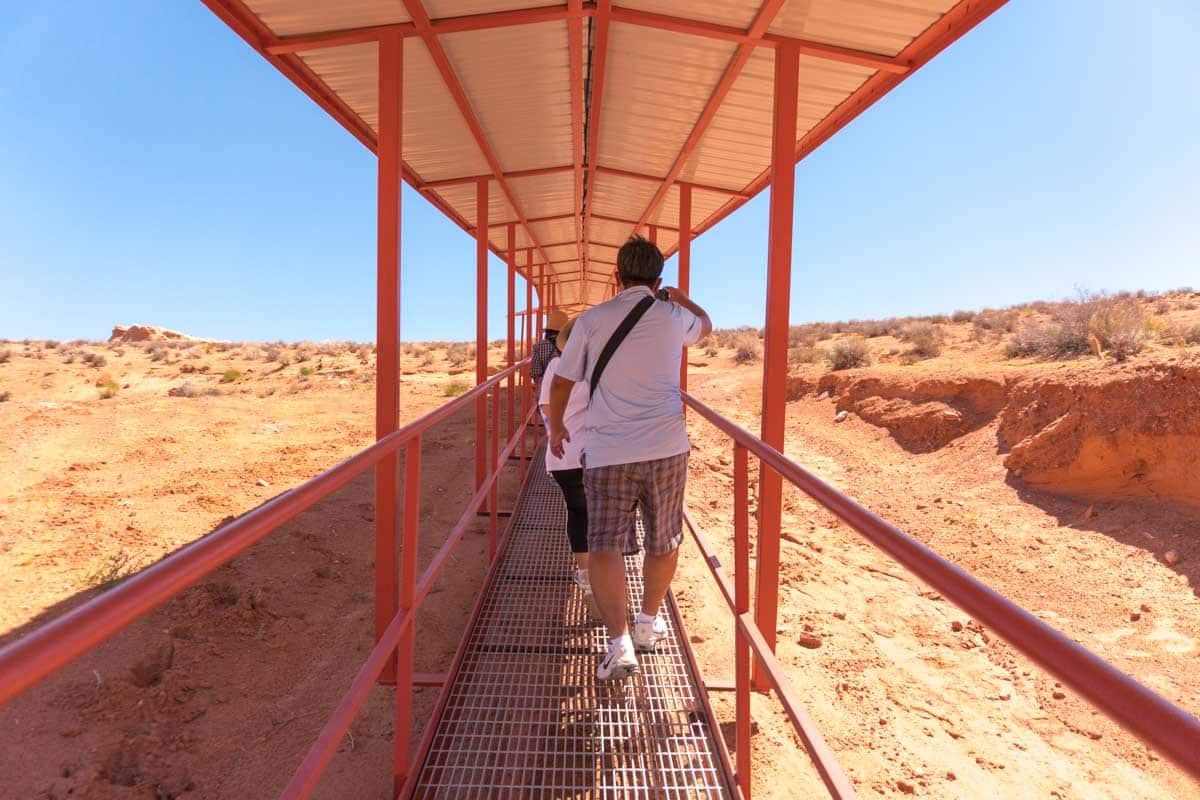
x: 583, y: 118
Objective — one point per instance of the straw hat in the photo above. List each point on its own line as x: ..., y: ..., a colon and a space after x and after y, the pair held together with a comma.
x: 555, y: 320
x: 561, y: 340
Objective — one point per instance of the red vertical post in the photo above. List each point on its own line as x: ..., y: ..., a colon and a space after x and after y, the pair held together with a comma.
x: 541, y: 310
x: 685, y: 262
x: 528, y: 302
x: 493, y: 494
x: 409, y: 554
x: 779, y: 276
x: 512, y: 310
x: 741, y: 600
x: 387, y: 329
x: 653, y: 231
x: 481, y: 299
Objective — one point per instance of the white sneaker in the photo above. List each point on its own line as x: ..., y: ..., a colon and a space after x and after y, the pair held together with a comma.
x: 585, y: 587
x: 620, y: 662
x: 647, y: 635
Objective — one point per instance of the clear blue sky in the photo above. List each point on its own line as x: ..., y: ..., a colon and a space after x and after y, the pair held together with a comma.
x: 154, y: 169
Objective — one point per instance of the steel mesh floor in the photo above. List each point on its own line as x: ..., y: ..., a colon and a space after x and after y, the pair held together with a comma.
x: 526, y: 718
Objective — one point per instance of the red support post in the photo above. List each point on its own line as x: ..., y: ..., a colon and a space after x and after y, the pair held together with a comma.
x: 409, y: 555
x: 685, y: 261
x: 652, y: 231
x: 779, y: 275
x: 387, y: 329
x: 541, y: 315
x: 512, y: 308
x: 494, y: 492
x: 741, y: 594
x: 481, y: 299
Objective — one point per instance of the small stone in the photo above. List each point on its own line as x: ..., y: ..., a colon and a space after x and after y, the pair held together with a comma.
x: 1134, y: 616
x: 1059, y: 694
x: 1145, y: 608
x: 841, y: 416
x: 906, y: 787
x: 950, y: 776
x: 1171, y: 557
x: 811, y: 641
x: 839, y: 614
x: 956, y: 626
x: 261, y: 482
x: 1091, y: 513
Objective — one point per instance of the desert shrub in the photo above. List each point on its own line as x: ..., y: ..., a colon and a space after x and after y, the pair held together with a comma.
x: 272, y: 354
x: 989, y: 320
x: 94, y: 360
x: 306, y: 372
x: 51, y: 344
x: 962, y: 316
x: 849, y: 353
x: 5, y: 397
x: 108, y: 390
x: 711, y: 352
x: 1119, y: 323
x: 158, y: 353
x: 5, y: 355
x: 189, y: 389
x: 925, y: 337
x: 427, y: 361
x: 805, y: 354
x: 706, y: 342
x: 114, y: 568
x: 454, y: 389
x: 1162, y: 307
x: 1190, y: 335
x: 230, y: 375
x: 458, y: 353
x: 730, y: 338
x: 747, y: 353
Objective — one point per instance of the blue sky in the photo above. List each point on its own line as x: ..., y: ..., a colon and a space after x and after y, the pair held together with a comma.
x: 154, y: 169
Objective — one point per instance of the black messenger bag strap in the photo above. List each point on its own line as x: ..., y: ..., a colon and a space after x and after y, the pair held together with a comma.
x: 615, y: 340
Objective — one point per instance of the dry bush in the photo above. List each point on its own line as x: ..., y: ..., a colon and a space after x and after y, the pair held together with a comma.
x: 1162, y: 307
x: 1065, y: 330
x: 989, y: 320
x: 1190, y: 335
x: 849, y: 353
x: 805, y: 354
x: 926, y: 339
x: 963, y: 316
x: 272, y: 354
x: 51, y: 344
x: 5, y: 355
x: 94, y: 360
x: 711, y: 352
x: 746, y: 347
x: 454, y: 389
x: 5, y: 397
x: 458, y: 353
x: 730, y: 338
x: 189, y: 389
x: 1119, y: 323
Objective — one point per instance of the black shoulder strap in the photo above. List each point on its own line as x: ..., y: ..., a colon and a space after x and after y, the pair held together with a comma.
x: 618, y: 336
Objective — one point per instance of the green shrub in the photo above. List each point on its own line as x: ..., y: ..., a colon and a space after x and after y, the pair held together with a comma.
x: 454, y: 389
x: 230, y: 375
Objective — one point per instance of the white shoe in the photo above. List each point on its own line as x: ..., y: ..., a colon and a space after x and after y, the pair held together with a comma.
x: 620, y: 662
x: 585, y: 587
x: 647, y: 635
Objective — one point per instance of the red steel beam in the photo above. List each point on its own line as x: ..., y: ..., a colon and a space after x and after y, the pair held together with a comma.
x: 601, y: 25
x: 512, y: 307
x: 762, y: 20
x: 575, y: 64
x: 410, y: 547
x: 952, y: 26
x: 481, y: 299
x: 421, y: 19
x: 775, y: 338
x: 642, y: 176
x: 466, y: 180
x: 685, y: 262
x: 387, y: 330
x: 498, y: 19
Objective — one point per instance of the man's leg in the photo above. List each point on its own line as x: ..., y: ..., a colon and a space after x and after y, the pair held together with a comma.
x: 607, y: 571
x: 657, y: 572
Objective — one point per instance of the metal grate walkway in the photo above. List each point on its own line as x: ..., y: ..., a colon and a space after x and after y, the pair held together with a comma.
x: 525, y: 716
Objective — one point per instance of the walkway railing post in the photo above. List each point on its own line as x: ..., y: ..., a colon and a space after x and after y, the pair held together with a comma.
x: 775, y: 345
x: 685, y: 263
x: 741, y: 594
x: 494, y: 493
x: 481, y: 300
x: 512, y: 310
x: 387, y: 330
x: 409, y: 555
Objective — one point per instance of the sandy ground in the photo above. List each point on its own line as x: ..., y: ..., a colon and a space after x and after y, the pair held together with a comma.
x: 914, y: 697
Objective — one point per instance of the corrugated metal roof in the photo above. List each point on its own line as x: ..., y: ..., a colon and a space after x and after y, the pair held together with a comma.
x: 664, y: 61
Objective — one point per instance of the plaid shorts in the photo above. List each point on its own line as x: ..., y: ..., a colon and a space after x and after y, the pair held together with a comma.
x: 615, y: 493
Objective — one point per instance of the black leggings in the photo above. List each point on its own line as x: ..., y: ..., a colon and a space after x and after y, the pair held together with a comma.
x: 571, y: 483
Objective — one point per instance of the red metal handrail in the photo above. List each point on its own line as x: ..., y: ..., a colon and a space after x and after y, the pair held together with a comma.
x: 1150, y: 717
x: 27, y: 661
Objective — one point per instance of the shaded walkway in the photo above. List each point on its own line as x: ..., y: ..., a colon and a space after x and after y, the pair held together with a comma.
x: 525, y: 717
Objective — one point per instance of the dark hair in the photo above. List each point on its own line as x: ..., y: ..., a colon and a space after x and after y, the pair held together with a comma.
x: 639, y: 261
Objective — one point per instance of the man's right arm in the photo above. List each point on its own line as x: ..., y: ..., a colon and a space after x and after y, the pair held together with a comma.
x: 678, y: 297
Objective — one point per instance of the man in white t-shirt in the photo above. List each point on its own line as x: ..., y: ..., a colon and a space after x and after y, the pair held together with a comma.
x: 636, y: 447
x: 567, y: 469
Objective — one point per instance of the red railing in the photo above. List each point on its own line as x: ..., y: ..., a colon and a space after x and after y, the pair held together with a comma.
x: 1159, y: 723
x: 27, y: 661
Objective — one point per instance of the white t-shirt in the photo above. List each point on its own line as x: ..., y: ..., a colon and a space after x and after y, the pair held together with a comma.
x: 636, y: 413
x: 573, y: 418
